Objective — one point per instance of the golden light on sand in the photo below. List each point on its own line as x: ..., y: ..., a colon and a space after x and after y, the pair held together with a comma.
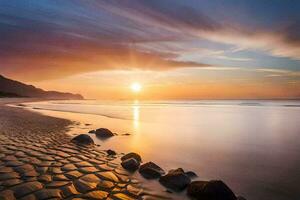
x: 136, y: 87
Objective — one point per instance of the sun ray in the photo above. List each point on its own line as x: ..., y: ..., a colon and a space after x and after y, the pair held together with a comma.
x: 136, y: 87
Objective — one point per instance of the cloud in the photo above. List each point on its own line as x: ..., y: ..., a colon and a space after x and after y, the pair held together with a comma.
x: 279, y: 72
x: 278, y: 44
x: 52, y: 40
x: 89, y: 38
x: 281, y: 41
x: 185, y: 23
x: 233, y: 58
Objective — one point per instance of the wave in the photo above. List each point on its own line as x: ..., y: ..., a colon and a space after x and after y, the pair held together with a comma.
x: 183, y: 103
x: 83, y: 112
x: 291, y: 105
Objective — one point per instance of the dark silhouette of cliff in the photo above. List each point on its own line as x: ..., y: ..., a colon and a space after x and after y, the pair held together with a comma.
x: 11, y: 88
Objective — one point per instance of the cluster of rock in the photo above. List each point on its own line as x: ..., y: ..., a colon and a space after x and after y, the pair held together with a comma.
x: 175, y: 180
x: 178, y: 180
x: 102, y: 133
x: 85, y: 139
x: 46, y: 165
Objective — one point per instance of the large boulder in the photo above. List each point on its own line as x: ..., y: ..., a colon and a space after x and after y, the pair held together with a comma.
x: 103, y: 133
x: 132, y: 155
x: 130, y: 164
x: 175, y: 180
x: 150, y: 170
x: 83, y: 139
x: 210, y: 190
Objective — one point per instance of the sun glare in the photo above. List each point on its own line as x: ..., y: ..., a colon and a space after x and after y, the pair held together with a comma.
x: 136, y: 87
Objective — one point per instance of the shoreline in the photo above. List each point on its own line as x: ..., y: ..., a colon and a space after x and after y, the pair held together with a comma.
x: 161, y: 193
x: 39, y: 161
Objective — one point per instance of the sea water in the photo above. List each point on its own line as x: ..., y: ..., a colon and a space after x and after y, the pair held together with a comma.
x: 253, y: 146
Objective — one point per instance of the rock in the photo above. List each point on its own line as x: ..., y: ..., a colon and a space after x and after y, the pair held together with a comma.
x: 150, y: 170
x: 111, y: 152
x: 175, y: 179
x: 240, y: 198
x: 83, y: 139
x: 92, y: 131
x: 103, y: 133
x: 191, y: 174
x: 132, y: 155
x: 131, y: 164
x: 210, y: 190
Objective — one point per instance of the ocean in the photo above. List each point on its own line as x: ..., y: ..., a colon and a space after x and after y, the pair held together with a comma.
x: 253, y: 146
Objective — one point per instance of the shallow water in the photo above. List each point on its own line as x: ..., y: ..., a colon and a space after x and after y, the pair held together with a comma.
x: 253, y: 146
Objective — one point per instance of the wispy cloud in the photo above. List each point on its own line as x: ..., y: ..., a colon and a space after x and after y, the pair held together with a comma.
x: 277, y: 44
x: 219, y: 68
x: 51, y: 39
x: 278, y: 72
x: 184, y: 23
x: 233, y: 58
x: 281, y: 71
x: 95, y: 35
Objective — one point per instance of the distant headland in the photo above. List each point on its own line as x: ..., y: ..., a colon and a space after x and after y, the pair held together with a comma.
x: 12, y: 88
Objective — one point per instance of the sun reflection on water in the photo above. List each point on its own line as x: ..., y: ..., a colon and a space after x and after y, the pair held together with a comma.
x: 136, y: 114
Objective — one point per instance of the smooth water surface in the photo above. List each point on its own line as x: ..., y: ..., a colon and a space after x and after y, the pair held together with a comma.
x: 253, y: 146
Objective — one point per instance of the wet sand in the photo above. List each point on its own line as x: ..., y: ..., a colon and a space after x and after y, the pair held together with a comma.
x: 38, y: 161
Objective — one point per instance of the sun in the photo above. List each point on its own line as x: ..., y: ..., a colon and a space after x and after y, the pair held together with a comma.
x: 136, y: 87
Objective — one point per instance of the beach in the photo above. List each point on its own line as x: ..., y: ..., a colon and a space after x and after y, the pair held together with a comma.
x: 38, y: 161
x: 252, y: 146
x: 150, y: 100
x: 242, y: 143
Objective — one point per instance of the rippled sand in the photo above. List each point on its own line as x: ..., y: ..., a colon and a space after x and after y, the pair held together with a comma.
x: 38, y: 161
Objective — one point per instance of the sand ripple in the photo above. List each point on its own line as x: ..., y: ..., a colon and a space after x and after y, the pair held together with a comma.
x: 38, y: 161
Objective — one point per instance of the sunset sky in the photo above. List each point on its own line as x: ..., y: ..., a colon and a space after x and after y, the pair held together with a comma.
x: 191, y: 49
